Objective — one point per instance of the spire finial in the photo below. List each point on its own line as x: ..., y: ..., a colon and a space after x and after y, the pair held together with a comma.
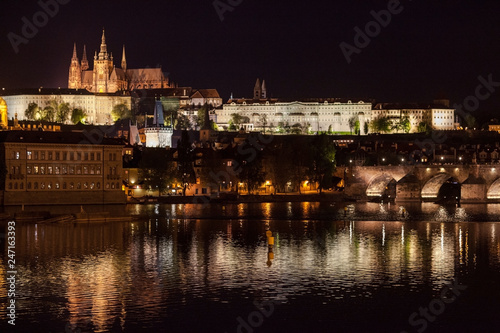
x: 74, y: 51
x: 124, y: 60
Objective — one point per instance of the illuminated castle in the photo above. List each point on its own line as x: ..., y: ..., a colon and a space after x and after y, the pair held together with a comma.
x: 107, y: 78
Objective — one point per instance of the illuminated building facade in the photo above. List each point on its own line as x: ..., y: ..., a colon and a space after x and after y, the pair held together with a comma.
x: 105, y: 77
x: 158, y: 135
x: 97, y: 107
x: 57, y: 167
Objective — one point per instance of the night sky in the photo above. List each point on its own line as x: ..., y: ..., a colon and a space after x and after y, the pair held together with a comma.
x: 429, y: 49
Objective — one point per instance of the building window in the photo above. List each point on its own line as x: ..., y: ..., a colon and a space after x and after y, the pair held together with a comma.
x: 71, y: 185
x: 42, y: 155
x: 86, y: 156
x: 58, y: 155
x: 49, y: 155
x: 64, y: 169
x: 35, y: 155
x: 35, y: 186
x: 42, y: 185
x: 85, y: 185
x: 71, y: 170
x: 57, y: 186
x: 28, y: 169
x: 92, y: 155
x: 65, y: 155
x: 21, y: 186
x: 10, y: 186
x: 17, y: 155
x: 78, y: 186
x: 85, y: 170
x: 92, y: 185
x: 98, y: 156
x: 78, y: 156
x: 64, y: 186
x: 29, y: 186
x: 49, y: 186
x: 49, y: 170
x: 57, y: 170
x: 29, y: 155
x: 98, y: 170
x: 98, y: 185
x: 112, y: 185
x: 78, y: 170
x: 71, y: 156
x: 110, y: 157
x: 92, y: 169
x: 42, y: 170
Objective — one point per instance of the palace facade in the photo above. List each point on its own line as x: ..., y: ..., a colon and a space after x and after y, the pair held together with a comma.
x: 60, y: 168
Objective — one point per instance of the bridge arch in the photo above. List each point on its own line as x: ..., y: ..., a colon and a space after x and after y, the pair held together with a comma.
x: 381, y: 185
x: 431, y: 188
x: 494, y: 190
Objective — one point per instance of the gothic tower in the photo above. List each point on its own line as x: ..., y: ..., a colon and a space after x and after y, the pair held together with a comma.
x: 124, y: 60
x: 263, y: 89
x: 75, y: 72
x: 85, y: 62
x: 103, y: 65
x: 257, y: 90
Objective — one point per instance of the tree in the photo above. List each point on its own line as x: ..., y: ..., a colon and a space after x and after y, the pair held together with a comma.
x: 424, y: 126
x: 470, y: 121
x: 48, y: 113
x: 249, y: 169
x: 120, y: 111
x: 352, y: 122
x: 405, y: 124
x: 381, y: 125
x: 200, y: 120
x: 330, y: 129
x: 183, y: 122
x: 280, y: 162
x: 31, y: 112
x: 263, y: 121
x: 77, y: 116
x: 366, y: 127
x: 185, y: 159
x: 238, y: 119
x: 62, y: 112
x: 156, y: 169
x: 322, y: 164
x: 356, y: 126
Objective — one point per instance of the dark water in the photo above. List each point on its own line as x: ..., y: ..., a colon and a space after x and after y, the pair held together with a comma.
x: 198, y: 268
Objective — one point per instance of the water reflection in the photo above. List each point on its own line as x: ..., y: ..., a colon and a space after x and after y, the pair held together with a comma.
x: 160, y: 269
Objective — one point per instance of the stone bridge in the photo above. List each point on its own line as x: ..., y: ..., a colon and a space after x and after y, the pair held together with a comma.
x: 468, y: 183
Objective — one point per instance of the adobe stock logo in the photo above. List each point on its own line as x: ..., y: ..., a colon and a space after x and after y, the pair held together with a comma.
x: 372, y: 29
x: 29, y: 30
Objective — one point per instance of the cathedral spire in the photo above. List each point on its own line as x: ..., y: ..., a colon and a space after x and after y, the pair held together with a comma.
x: 124, y: 60
x: 85, y: 62
x: 104, y: 49
x: 74, y: 52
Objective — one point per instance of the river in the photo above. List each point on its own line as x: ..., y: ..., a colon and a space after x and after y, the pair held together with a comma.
x: 362, y: 267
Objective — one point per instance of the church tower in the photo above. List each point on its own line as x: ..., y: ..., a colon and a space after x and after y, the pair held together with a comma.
x: 257, y: 90
x: 263, y: 89
x: 75, y: 72
x: 103, y: 65
x: 85, y: 62
x: 124, y: 60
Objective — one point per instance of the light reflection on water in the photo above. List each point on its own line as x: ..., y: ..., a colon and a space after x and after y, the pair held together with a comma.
x: 177, y: 259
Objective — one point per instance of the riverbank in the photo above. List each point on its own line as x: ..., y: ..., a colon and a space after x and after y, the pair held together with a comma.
x: 248, y: 198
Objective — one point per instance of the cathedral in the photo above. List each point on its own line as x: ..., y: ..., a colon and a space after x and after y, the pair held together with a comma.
x: 105, y: 77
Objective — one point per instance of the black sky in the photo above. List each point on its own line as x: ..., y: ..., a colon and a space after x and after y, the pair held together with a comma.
x: 431, y: 48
